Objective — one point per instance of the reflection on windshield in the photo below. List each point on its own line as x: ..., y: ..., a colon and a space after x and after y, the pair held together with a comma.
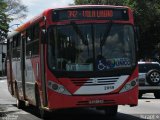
x: 107, y: 31
x: 90, y: 47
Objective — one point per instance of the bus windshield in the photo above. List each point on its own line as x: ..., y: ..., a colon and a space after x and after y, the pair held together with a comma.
x: 91, y: 47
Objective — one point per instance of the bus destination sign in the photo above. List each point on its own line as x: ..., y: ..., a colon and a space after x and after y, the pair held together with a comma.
x: 90, y: 14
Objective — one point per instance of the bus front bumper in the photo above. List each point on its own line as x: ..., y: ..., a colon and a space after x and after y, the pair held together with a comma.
x: 60, y: 101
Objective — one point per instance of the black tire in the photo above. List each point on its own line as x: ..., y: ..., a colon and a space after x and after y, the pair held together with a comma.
x: 140, y: 95
x: 153, y: 77
x: 157, y: 94
x: 20, y: 104
x: 111, y: 111
x: 44, y: 114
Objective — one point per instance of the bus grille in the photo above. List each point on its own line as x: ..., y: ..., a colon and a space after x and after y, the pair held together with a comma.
x: 95, y: 81
x: 106, y: 102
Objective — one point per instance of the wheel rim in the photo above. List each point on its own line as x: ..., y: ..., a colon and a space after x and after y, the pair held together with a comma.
x: 155, y: 77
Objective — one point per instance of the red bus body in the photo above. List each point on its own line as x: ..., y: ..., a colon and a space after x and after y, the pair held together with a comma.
x: 29, y: 75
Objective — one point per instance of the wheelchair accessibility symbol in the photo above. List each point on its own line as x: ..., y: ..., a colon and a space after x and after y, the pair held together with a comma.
x: 101, y: 66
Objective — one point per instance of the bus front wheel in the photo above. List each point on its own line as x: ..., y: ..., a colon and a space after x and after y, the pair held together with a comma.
x: 20, y: 104
x: 43, y: 113
x: 111, y: 111
x: 157, y: 94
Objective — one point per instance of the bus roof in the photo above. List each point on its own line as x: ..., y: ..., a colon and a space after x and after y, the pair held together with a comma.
x: 84, y: 6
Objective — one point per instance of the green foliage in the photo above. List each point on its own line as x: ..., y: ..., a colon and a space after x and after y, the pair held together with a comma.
x: 147, y: 17
x: 146, y: 12
x: 3, y: 21
x: 10, y: 10
x: 3, y: 5
x: 98, y: 2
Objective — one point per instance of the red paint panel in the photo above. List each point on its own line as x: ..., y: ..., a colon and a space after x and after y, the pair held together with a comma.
x: 59, y: 101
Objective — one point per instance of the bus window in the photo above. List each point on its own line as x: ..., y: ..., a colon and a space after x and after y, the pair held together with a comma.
x: 35, y: 43
x: 36, y: 32
x: 70, y: 49
x: 51, y: 49
x: 32, y: 40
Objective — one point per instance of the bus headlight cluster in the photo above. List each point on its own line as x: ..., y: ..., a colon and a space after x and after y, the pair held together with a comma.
x: 129, y: 85
x: 58, y: 88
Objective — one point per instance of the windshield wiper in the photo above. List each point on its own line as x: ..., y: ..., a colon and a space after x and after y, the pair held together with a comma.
x: 107, y: 31
x: 79, y: 33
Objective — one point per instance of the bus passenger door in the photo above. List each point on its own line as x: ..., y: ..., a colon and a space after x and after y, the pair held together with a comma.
x: 28, y: 79
x: 9, y: 67
x: 31, y: 61
x: 42, y: 64
x: 19, y: 80
x: 16, y: 67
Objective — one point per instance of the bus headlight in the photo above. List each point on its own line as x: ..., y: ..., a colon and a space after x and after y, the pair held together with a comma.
x: 58, y: 88
x: 129, y: 85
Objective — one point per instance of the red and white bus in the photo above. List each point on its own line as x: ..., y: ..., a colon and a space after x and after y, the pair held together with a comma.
x: 76, y: 56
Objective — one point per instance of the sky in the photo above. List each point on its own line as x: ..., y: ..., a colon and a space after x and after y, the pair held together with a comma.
x: 35, y: 7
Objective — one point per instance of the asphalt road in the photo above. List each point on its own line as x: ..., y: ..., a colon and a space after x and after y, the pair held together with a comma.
x: 148, y: 108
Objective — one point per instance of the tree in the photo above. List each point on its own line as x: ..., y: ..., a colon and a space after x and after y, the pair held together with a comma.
x: 10, y: 10
x: 147, y: 17
x: 99, y: 2
x: 3, y: 21
x: 15, y: 9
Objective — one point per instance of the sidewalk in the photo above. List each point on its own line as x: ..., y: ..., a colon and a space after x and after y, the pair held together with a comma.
x: 3, y: 77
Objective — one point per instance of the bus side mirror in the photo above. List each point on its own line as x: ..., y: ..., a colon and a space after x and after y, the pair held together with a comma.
x: 43, y: 36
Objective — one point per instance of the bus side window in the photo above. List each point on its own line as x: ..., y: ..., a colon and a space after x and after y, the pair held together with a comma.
x: 8, y: 48
x: 14, y: 48
x: 29, y: 35
x: 32, y: 41
x: 52, y: 49
x: 35, y: 50
x: 18, y: 40
x: 28, y: 43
